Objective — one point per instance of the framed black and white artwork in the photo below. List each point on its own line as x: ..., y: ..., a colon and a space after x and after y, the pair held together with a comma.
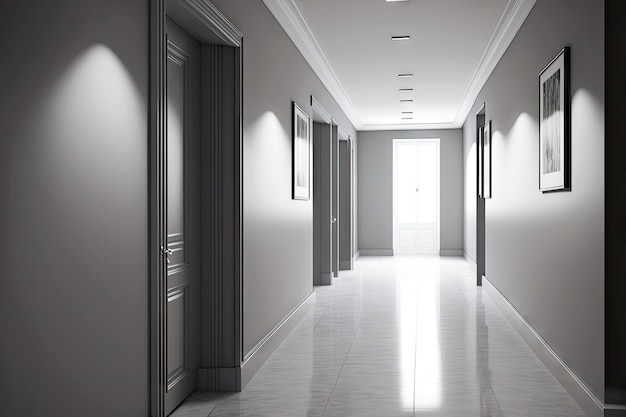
x: 301, y: 154
x: 554, y: 124
x: 487, y: 161
x: 480, y: 161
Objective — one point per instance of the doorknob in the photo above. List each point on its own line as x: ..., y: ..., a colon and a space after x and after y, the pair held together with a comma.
x: 333, y: 220
x: 165, y: 252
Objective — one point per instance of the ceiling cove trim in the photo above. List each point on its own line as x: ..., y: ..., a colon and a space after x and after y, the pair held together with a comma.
x: 289, y: 17
x: 510, y: 23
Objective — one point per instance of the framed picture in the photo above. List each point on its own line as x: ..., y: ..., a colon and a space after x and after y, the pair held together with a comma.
x: 487, y: 160
x: 554, y: 125
x: 301, y: 154
x: 479, y: 147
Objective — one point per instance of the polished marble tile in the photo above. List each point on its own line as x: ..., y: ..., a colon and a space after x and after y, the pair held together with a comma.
x: 398, y: 336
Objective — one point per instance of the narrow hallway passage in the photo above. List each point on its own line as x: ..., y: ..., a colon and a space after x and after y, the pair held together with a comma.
x: 398, y: 336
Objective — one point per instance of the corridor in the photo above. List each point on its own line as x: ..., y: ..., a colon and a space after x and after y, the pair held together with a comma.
x: 398, y: 336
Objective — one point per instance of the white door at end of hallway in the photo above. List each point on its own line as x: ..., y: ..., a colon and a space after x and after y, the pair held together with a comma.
x: 416, y: 192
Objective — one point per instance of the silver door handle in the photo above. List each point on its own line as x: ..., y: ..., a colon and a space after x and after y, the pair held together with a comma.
x: 333, y: 220
x: 165, y: 252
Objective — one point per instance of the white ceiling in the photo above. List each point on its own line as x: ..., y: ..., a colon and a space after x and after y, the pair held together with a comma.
x: 454, y: 47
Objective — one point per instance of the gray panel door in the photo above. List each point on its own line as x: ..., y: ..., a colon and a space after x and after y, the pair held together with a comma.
x: 182, y: 194
x: 322, y: 204
x: 345, y: 205
x: 335, y: 200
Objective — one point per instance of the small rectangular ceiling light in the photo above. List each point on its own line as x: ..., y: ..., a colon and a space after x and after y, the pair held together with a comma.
x: 393, y: 1
x: 406, y: 101
x: 405, y: 75
x: 400, y: 38
x: 406, y: 90
x: 407, y: 118
x: 407, y: 112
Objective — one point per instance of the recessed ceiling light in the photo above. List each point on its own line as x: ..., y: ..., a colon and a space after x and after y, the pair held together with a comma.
x: 407, y: 118
x: 400, y: 38
x: 405, y: 75
x: 406, y: 101
x: 406, y: 90
x: 407, y: 112
x: 394, y: 1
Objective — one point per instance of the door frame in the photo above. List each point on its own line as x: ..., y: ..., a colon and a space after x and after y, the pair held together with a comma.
x: 224, y: 355
x: 395, y: 190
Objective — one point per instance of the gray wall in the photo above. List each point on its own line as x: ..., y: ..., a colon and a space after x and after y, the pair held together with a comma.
x: 375, y: 187
x: 278, y: 231
x: 73, y: 208
x: 545, y: 252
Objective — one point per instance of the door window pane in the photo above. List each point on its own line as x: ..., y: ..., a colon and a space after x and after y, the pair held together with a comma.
x: 427, y: 182
x: 406, y: 177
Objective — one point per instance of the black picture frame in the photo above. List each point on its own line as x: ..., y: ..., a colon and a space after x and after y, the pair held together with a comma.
x: 555, y: 124
x: 301, y: 154
x: 480, y: 161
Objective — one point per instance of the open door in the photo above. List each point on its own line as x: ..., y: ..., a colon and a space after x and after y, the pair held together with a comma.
x: 180, y: 180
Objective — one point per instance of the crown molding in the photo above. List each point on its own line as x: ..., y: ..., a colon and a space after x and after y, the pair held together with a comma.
x: 510, y: 23
x: 290, y: 18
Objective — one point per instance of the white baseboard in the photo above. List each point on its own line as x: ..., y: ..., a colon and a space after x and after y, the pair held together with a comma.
x: 376, y: 252
x: 451, y: 252
x: 589, y: 403
x: 470, y: 261
x: 262, y: 351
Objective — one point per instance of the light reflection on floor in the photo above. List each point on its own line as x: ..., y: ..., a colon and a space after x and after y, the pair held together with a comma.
x: 398, y: 336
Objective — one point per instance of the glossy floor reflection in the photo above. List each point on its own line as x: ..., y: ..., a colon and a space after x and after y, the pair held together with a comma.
x: 398, y: 336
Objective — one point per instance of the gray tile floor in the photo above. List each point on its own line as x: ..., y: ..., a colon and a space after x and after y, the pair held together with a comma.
x: 398, y: 336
